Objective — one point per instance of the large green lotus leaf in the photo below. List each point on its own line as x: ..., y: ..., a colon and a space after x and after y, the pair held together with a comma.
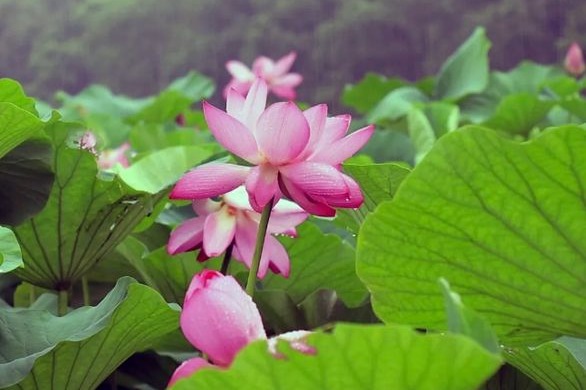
x: 551, y: 365
x: 10, y: 255
x: 378, y: 183
x: 519, y: 113
x: 25, y: 158
x: 358, y: 357
x: 86, y: 216
x: 390, y: 145
x: 396, y: 104
x: 467, y: 70
x: 12, y: 92
x: 169, y: 275
x: 318, y: 261
x: 26, y: 178
x: 99, y: 100
x: 16, y: 126
x: 575, y: 106
x: 177, y: 97
x: 164, y: 167
x: 364, y: 95
x: 503, y: 222
x: 426, y: 124
x: 79, y: 350
x: 528, y: 78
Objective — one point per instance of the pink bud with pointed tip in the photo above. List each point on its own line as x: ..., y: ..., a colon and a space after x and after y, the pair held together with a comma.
x: 219, y: 318
x: 188, y: 368
x: 574, y: 61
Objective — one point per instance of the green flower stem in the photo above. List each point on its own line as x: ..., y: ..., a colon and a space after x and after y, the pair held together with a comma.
x: 85, y: 288
x: 226, y: 260
x: 260, y: 241
x: 63, y: 298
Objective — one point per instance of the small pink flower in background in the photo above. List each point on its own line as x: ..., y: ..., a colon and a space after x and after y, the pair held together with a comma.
x: 276, y: 74
x: 188, y: 368
x: 296, y: 154
x: 88, y: 141
x: 110, y: 157
x: 219, y: 318
x: 233, y: 222
x: 574, y: 61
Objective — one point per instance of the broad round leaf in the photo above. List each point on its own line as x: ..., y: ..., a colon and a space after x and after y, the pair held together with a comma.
x: 551, y: 365
x: 503, y: 222
x: 10, y: 256
x: 466, y: 71
x: 358, y: 357
x: 87, y: 216
x: 79, y: 350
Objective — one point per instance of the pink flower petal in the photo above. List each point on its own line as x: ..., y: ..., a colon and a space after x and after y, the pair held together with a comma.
x: 302, y: 199
x: 186, y: 236
x: 242, y: 87
x: 352, y: 200
x: 231, y: 133
x: 238, y: 198
x: 239, y: 71
x: 203, y: 207
x: 282, y: 133
x: 283, y: 65
x: 284, y: 92
x: 336, y: 128
x: 316, y: 119
x: 218, y: 232
x: 277, y: 257
x: 285, y: 216
x: 255, y: 103
x: 219, y: 318
x: 245, y: 241
x: 316, y: 178
x: 342, y: 149
x: 188, y: 368
x: 207, y: 181
x: 262, y: 186
x: 290, y: 80
x: 262, y: 66
x: 235, y: 104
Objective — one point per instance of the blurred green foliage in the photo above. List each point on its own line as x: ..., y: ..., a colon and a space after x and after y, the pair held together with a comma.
x: 137, y: 47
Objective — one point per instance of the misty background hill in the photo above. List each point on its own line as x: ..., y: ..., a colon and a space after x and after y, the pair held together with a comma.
x: 136, y: 47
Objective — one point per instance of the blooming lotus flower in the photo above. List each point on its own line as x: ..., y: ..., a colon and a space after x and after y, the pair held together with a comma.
x: 110, y: 157
x: 188, y: 368
x: 219, y: 318
x: 295, y: 153
x: 574, y: 61
x: 232, y: 221
x: 276, y: 75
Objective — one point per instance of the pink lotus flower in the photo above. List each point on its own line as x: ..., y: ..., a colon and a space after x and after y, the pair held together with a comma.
x: 188, y: 368
x: 276, y: 75
x: 110, y: 157
x: 233, y: 222
x: 296, y: 154
x: 574, y: 61
x: 219, y: 318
